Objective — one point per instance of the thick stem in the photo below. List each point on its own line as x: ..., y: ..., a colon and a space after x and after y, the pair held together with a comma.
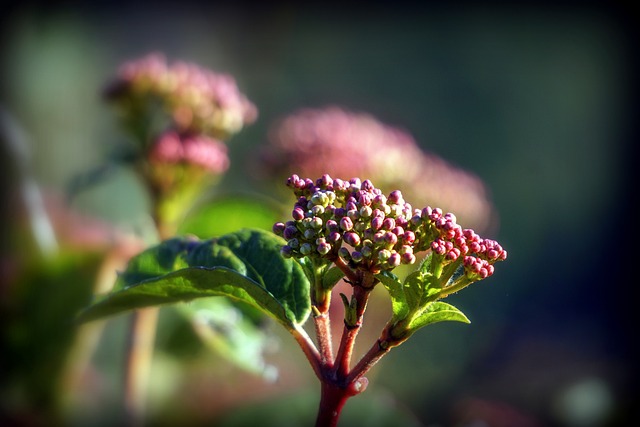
x: 332, y: 401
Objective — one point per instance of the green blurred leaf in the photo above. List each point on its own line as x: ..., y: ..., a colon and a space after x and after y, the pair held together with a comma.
x: 245, y: 266
x: 227, y: 214
x: 38, y: 328
x: 437, y: 312
x: 222, y: 327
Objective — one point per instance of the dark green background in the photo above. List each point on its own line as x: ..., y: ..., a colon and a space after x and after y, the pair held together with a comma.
x: 535, y: 99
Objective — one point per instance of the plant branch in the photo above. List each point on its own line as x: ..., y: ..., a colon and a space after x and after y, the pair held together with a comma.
x: 375, y: 353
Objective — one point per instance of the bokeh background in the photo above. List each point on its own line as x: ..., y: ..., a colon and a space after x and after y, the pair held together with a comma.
x: 537, y: 100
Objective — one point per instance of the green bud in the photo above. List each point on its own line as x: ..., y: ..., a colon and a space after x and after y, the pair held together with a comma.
x: 316, y: 223
x: 294, y: 243
x: 384, y: 255
x: 305, y: 249
x: 366, y: 211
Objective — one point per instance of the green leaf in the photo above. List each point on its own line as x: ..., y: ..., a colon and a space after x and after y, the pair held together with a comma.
x: 399, y: 306
x: 260, y: 251
x: 437, y: 312
x: 331, y: 277
x: 413, y: 288
x: 245, y: 266
x: 186, y: 285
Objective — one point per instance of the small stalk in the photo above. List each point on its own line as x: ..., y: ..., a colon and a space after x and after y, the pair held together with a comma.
x: 140, y: 343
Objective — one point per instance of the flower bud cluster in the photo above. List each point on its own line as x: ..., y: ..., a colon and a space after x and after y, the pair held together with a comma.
x: 453, y: 243
x: 355, y: 221
x: 197, y: 99
x: 190, y: 149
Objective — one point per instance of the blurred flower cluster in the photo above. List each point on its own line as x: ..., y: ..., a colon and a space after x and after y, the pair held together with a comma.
x: 198, y: 100
x: 380, y: 232
x: 332, y: 140
x: 179, y: 115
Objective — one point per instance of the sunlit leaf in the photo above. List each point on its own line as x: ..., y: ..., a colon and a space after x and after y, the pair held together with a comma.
x: 245, y: 266
x: 185, y: 285
x: 399, y: 306
x: 437, y: 312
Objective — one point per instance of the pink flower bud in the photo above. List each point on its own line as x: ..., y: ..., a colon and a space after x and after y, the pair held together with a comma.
x: 351, y: 238
x: 395, y: 198
x: 390, y: 238
x: 278, y: 228
x: 394, y: 260
x: 376, y: 223
x: 408, y: 237
x: 346, y: 224
x: 408, y: 258
x: 388, y: 224
x: 297, y: 214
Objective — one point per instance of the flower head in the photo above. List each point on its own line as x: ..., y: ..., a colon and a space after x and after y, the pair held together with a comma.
x: 343, y: 143
x: 355, y: 221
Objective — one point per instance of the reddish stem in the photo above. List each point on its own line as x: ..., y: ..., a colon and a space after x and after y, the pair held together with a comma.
x: 332, y: 401
x: 333, y: 398
x: 375, y: 353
